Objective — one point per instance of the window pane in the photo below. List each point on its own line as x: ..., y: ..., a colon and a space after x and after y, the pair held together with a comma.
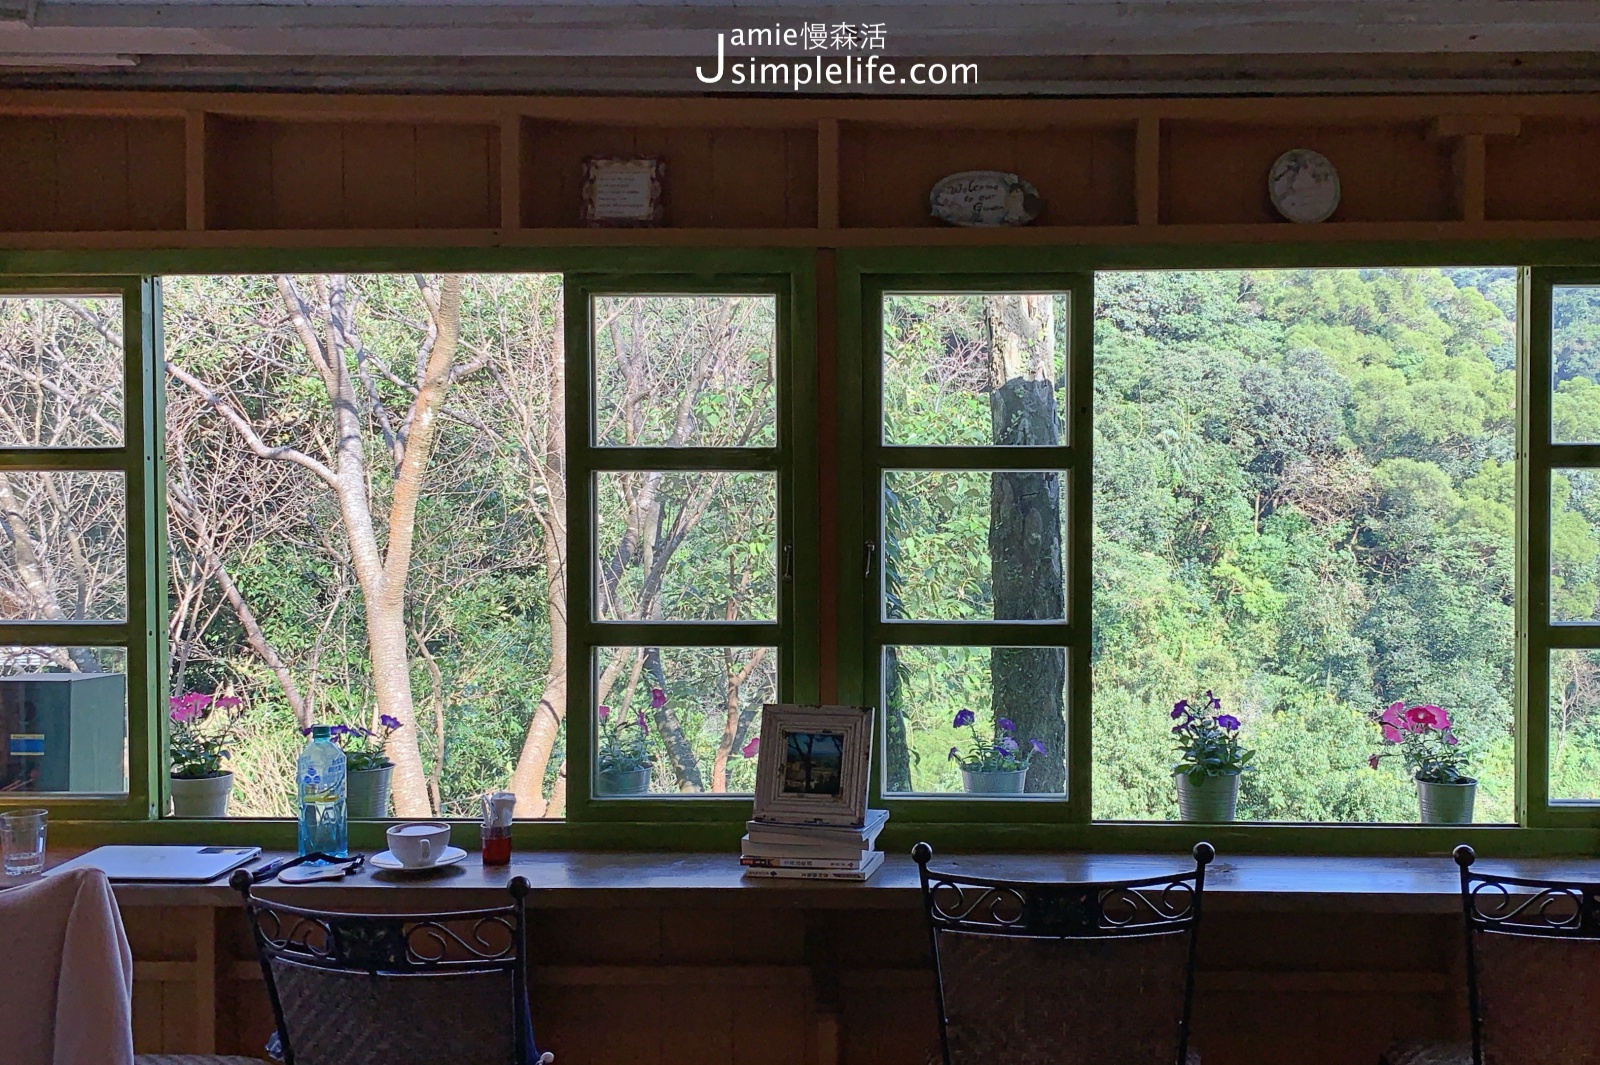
x: 676, y: 720
x: 60, y: 371
x: 64, y: 556
x: 926, y: 688
x: 685, y: 371
x: 1574, y: 545
x: 269, y: 604
x: 1575, y: 725
x: 974, y: 546
x: 974, y: 368
x: 63, y: 720
x: 1304, y: 500
x: 698, y: 546
x: 1575, y: 364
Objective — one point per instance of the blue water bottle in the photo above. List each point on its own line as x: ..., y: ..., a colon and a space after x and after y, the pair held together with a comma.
x: 322, y: 795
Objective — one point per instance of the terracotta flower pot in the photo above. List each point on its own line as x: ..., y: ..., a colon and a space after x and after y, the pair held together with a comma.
x: 1213, y: 799
x: 994, y: 781
x: 201, y: 796
x: 1446, y: 804
x: 622, y: 781
x: 367, y: 792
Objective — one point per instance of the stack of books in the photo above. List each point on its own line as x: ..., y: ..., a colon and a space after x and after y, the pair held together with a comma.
x: 813, y: 852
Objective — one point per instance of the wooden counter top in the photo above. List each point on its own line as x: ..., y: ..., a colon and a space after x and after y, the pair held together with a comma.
x: 562, y: 879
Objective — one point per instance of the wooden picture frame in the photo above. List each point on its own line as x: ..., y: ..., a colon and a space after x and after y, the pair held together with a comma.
x: 623, y: 191
x: 814, y: 765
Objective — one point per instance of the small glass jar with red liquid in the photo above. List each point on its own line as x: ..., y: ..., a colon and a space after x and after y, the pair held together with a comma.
x: 498, y: 810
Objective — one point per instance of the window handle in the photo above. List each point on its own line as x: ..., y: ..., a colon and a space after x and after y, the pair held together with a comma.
x: 788, y: 562
x: 872, y: 553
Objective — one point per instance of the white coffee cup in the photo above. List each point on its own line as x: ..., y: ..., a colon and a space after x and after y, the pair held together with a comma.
x: 419, y: 844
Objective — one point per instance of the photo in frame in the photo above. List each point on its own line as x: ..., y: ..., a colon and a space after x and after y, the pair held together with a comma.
x: 623, y: 191
x: 813, y: 764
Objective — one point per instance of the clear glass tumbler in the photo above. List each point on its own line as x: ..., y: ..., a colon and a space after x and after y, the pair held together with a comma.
x: 22, y: 841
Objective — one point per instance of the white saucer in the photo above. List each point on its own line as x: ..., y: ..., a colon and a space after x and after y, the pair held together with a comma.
x: 387, y: 860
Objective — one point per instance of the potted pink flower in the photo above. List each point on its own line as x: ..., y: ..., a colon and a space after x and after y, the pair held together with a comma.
x: 622, y: 754
x: 199, y: 743
x: 1434, y: 758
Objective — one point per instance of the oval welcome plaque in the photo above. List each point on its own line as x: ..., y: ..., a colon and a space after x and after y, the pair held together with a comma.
x: 985, y: 198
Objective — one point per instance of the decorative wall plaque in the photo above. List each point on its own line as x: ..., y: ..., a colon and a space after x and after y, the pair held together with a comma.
x: 622, y: 192
x: 1303, y: 185
x: 985, y: 198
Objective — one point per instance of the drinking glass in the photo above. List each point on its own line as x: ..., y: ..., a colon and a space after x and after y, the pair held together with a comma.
x: 22, y: 841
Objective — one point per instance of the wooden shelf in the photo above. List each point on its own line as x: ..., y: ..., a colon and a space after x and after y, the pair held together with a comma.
x: 101, y: 170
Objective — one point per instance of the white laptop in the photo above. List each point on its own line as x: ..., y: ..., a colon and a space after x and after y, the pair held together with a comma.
x: 190, y: 865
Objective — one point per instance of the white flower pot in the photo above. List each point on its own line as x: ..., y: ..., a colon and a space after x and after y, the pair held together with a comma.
x: 622, y: 781
x: 994, y: 781
x: 1446, y: 804
x: 367, y: 792
x: 201, y: 796
x: 1213, y: 799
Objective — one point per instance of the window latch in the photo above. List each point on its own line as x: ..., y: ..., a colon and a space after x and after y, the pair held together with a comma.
x: 872, y: 552
x: 788, y: 562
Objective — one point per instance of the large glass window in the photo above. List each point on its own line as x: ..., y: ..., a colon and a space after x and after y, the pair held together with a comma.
x: 683, y: 474
x: 969, y: 482
x: 1304, y: 500
x: 69, y: 450
x: 366, y: 494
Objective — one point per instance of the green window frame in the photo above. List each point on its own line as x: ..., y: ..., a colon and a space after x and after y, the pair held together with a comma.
x: 709, y: 822
x: 137, y: 459
x: 864, y: 275
x: 1070, y: 457
x: 791, y: 459
x: 1542, y: 457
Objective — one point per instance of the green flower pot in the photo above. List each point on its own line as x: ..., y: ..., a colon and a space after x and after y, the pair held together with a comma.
x: 201, y: 796
x: 622, y: 781
x: 1446, y: 804
x: 1213, y: 799
x: 994, y: 782
x: 367, y: 792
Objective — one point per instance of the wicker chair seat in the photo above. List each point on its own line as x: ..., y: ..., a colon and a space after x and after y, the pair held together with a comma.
x: 194, y: 1059
x: 1428, y: 1052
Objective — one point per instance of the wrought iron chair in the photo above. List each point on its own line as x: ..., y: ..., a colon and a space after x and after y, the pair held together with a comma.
x: 1533, y: 974
x: 396, y: 989
x: 1063, y: 973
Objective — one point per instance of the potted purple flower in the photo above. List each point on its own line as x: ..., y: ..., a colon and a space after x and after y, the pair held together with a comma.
x: 1434, y: 759
x: 368, y: 769
x: 1210, y: 760
x: 199, y: 740
x: 622, y: 756
x: 993, y: 766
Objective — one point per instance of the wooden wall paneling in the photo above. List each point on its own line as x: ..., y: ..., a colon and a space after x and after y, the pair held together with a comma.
x: 802, y: 187
x: 510, y: 163
x: 307, y: 175
x: 90, y: 173
x: 28, y: 174
x: 380, y: 187
x: 458, y: 176
x: 1545, y: 173
x: 828, y: 173
x: 238, y: 179
x: 552, y: 178
x: 143, y: 927
x: 178, y: 1030
x: 1084, y: 174
x: 1147, y: 171
x: 194, y: 170
x: 1217, y: 172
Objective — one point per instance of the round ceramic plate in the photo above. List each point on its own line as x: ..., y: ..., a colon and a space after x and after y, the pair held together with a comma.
x: 1303, y: 185
x: 388, y: 861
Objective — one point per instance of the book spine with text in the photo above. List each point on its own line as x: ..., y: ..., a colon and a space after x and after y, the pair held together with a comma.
x: 813, y: 874
x: 758, y: 862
